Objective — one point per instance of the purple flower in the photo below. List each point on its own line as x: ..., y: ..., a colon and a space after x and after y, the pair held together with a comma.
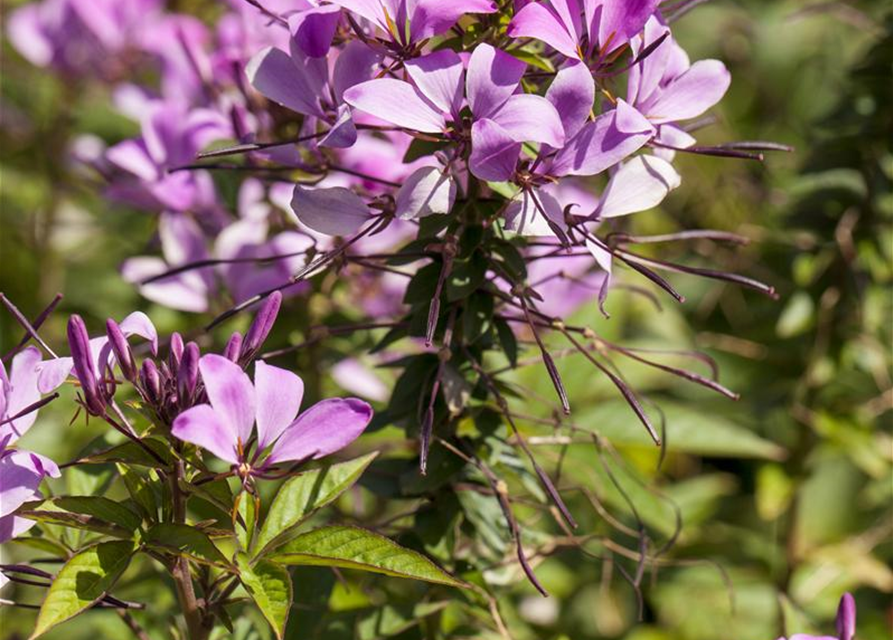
x: 846, y: 622
x: 171, y: 137
x: 580, y: 28
x: 21, y: 472
x: 225, y: 427
x: 408, y: 22
x: 18, y: 391
x: 92, y: 358
x: 593, y: 147
x: 667, y: 89
x: 502, y: 118
x: 80, y: 36
x: 308, y: 86
x: 241, y: 250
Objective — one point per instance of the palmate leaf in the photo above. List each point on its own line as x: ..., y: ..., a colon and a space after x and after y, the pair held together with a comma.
x: 304, y: 494
x: 269, y: 585
x: 355, y: 548
x: 82, y: 581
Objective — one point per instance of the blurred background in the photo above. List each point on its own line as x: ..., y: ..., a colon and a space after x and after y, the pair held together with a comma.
x: 785, y: 495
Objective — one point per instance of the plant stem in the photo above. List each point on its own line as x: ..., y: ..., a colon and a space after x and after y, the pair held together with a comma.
x: 196, y: 623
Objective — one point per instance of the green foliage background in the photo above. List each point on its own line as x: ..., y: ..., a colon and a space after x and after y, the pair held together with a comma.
x: 785, y: 495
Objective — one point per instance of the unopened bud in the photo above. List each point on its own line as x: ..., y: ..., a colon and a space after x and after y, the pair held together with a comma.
x: 121, y: 349
x: 187, y: 374
x: 261, y: 327
x: 150, y: 380
x: 233, y: 347
x: 82, y: 358
x: 176, y: 351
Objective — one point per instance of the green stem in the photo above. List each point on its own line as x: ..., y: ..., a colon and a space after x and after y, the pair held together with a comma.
x: 197, y: 624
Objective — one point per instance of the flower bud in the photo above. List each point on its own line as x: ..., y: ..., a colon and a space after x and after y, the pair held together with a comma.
x: 261, y: 327
x: 846, y: 617
x: 187, y: 374
x: 176, y: 351
x: 150, y: 380
x: 121, y: 349
x: 82, y: 358
x: 233, y: 347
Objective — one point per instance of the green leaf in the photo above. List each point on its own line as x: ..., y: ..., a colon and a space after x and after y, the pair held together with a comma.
x: 507, y: 340
x: 49, y: 513
x: 102, y: 508
x: 247, y: 525
x: 269, y: 585
x: 141, y: 492
x: 183, y: 539
x: 355, y: 548
x: 466, y: 277
x: 423, y: 284
x: 84, y: 579
x: 305, y: 493
x: 689, y: 430
x: 132, y: 453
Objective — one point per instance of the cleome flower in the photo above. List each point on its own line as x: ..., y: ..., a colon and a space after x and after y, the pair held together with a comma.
x: 225, y: 426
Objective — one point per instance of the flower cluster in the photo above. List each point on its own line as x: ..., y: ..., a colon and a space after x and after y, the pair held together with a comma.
x: 461, y: 169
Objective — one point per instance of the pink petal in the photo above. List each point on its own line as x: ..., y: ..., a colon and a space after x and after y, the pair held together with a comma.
x: 427, y: 191
x: 530, y: 118
x: 692, y: 93
x: 538, y: 21
x: 492, y: 78
x: 600, y: 144
x: 324, y: 428
x: 335, y: 211
x: 494, y: 153
x: 185, y: 291
x: 132, y: 156
x: 52, y: 373
x: 203, y: 426
x: 572, y: 92
x: 23, y: 377
x: 432, y: 17
x: 230, y: 393
x: 139, y: 324
x: 396, y: 102
x: 372, y: 10
x: 19, y: 480
x: 640, y: 184
x: 352, y: 375
x: 439, y: 76
x: 279, y: 394
x: 618, y: 21
x: 12, y: 527
x: 274, y: 75
x: 343, y: 133
x: 525, y: 214
x: 313, y: 29
x: 355, y: 64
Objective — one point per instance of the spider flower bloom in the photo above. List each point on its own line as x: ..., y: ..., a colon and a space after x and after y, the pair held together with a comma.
x: 21, y: 472
x: 409, y: 22
x: 502, y: 118
x: 307, y: 85
x: 578, y: 29
x: 846, y: 622
x: 667, y: 88
x: 170, y: 138
x: 225, y: 426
